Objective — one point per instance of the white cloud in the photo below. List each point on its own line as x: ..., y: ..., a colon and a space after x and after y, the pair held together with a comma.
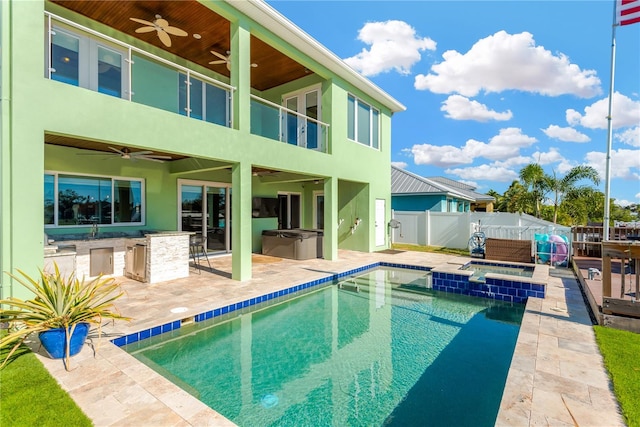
x: 551, y: 156
x: 459, y: 107
x: 442, y: 156
x: 623, y: 202
x: 504, y: 146
x: 567, y: 134
x: 394, y: 46
x: 504, y: 61
x: 624, y: 164
x: 401, y: 165
x: 514, y: 161
x: 630, y: 136
x: 485, y: 172
x: 565, y: 166
x: 637, y: 196
x: 625, y: 112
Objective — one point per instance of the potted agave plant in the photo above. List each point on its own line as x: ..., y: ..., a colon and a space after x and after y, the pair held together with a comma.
x: 61, y: 311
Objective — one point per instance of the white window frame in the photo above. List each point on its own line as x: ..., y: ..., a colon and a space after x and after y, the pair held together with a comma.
x: 143, y: 202
x: 88, y: 59
x: 316, y: 194
x: 301, y: 213
x: 302, y: 100
x: 371, y: 144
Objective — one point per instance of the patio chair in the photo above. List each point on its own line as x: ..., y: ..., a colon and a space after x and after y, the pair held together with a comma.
x: 198, y: 248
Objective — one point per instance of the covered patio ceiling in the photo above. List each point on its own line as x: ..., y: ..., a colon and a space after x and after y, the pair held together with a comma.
x: 206, y: 31
x: 186, y: 165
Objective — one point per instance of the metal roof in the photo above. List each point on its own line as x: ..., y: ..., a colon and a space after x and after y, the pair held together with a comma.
x: 466, y: 189
x: 404, y: 183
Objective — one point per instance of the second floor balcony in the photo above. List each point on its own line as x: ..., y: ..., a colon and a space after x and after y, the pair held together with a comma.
x: 81, y: 56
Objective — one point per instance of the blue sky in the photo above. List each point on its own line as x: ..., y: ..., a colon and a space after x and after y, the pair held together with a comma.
x: 493, y: 86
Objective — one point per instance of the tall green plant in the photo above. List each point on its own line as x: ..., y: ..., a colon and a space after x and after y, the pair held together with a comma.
x: 59, y: 302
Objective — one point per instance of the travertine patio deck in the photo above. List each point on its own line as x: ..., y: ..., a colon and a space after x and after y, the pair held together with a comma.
x: 556, y: 378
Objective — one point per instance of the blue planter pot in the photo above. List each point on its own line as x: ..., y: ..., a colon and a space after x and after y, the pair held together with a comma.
x: 54, y: 342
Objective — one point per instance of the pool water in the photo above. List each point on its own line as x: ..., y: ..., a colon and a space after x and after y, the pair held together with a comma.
x: 382, y: 349
x: 480, y: 270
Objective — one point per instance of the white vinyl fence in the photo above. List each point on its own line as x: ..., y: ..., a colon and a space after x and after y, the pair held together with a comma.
x: 453, y: 229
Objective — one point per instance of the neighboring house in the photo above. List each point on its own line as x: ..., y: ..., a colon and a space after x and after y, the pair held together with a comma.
x: 220, y: 118
x: 411, y: 192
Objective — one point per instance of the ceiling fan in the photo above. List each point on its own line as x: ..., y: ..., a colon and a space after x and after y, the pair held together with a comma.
x: 225, y: 59
x: 127, y: 154
x: 161, y: 27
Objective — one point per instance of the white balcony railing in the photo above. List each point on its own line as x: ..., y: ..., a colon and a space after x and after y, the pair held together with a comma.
x: 83, y: 57
x: 274, y: 121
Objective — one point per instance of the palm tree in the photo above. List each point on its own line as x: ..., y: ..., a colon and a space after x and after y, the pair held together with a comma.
x: 517, y: 198
x: 499, y: 205
x: 534, y: 180
x: 566, y: 187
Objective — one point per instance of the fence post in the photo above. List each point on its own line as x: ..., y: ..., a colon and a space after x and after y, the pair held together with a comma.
x: 427, y: 218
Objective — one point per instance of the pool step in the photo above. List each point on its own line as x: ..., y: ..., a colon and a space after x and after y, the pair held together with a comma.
x: 349, y: 286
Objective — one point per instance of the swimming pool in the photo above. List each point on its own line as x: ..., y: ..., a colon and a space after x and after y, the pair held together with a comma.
x: 383, y: 348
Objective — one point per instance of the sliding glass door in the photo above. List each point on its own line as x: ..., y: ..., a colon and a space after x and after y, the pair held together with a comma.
x: 205, y: 209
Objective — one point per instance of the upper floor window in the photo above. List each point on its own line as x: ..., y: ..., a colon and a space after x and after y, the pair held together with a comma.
x: 72, y: 200
x: 79, y: 60
x: 363, y: 123
x: 303, y: 129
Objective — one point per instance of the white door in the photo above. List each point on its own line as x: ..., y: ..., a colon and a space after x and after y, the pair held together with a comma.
x: 380, y: 222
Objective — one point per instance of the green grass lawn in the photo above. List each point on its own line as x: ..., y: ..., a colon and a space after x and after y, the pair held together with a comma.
x: 435, y: 249
x: 30, y: 396
x: 621, y: 352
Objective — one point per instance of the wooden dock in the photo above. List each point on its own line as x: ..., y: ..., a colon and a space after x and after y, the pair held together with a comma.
x: 612, y: 284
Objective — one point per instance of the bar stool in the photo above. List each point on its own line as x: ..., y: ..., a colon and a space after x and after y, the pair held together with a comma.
x: 198, y: 248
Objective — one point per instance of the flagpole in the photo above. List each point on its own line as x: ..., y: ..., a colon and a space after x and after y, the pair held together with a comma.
x: 607, y: 179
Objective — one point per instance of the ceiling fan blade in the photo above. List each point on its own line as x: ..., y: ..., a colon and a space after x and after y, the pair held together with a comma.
x: 218, y: 62
x: 175, y: 31
x: 219, y: 55
x: 121, y: 152
x: 145, y: 30
x: 150, y: 159
x: 164, y: 38
x: 140, y: 153
x: 100, y: 153
x: 142, y: 21
x: 160, y: 157
x: 162, y: 23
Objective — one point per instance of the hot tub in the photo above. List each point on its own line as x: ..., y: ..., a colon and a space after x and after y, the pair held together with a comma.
x: 293, y: 244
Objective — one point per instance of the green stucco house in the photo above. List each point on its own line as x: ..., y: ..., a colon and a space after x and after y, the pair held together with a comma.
x: 218, y: 119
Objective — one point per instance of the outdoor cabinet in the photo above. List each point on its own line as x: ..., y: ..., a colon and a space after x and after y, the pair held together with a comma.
x: 100, y: 261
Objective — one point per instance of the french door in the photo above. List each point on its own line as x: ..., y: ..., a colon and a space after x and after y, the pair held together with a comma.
x: 299, y: 129
x: 205, y: 208
x: 289, y: 211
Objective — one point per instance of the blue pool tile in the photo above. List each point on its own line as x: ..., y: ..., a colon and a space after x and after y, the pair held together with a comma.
x: 120, y: 341
x: 156, y: 331
x: 176, y: 325
x: 526, y: 286
x: 132, y: 338
x: 145, y: 334
x: 167, y: 327
x: 217, y: 312
x: 225, y: 310
x: 537, y: 287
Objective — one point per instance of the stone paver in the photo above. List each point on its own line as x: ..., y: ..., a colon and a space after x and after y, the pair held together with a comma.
x: 556, y: 378
x: 569, y: 385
